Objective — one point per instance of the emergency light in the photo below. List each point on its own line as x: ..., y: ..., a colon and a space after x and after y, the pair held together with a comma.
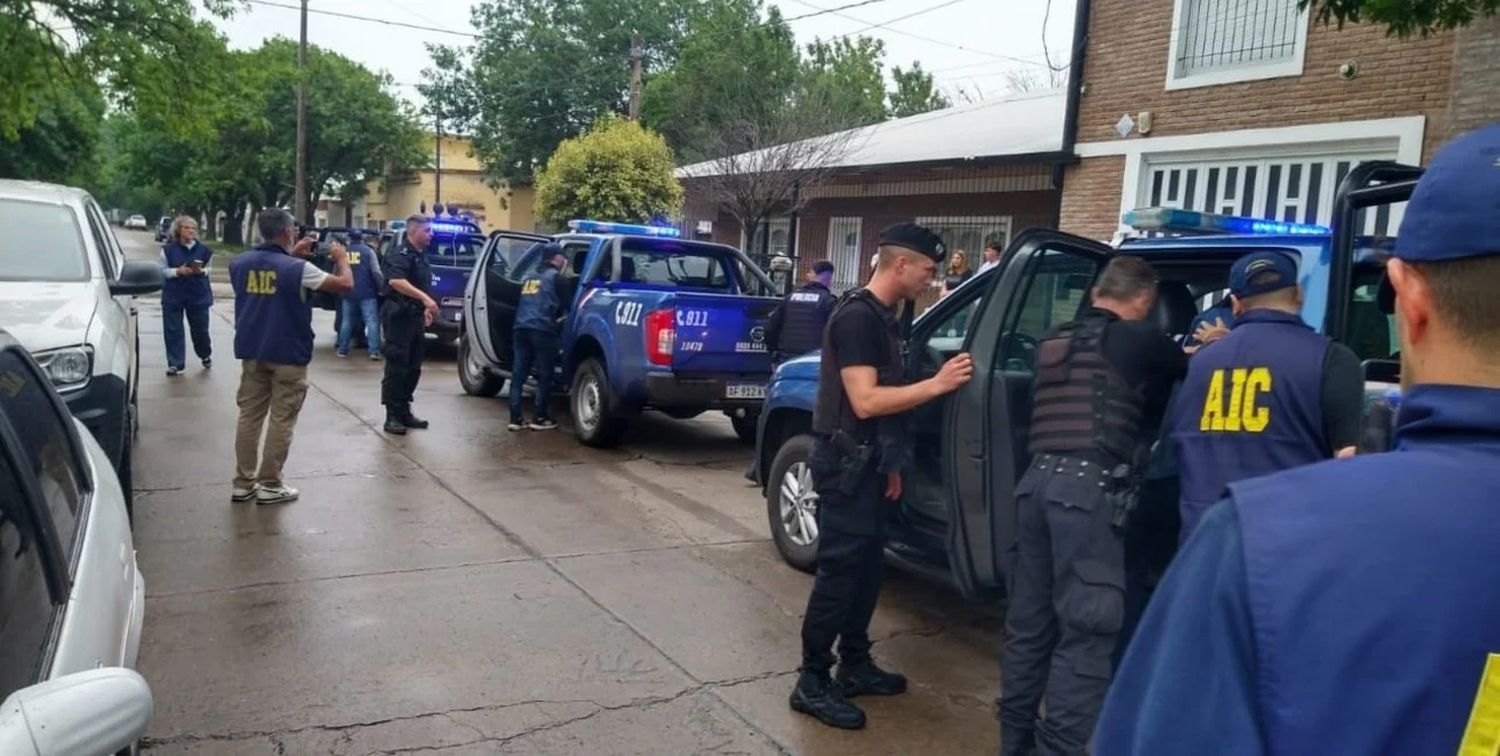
x: 455, y: 228
x: 607, y: 227
x: 1173, y: 219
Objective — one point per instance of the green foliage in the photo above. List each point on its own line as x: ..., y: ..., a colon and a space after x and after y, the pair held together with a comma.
x: 845, y: 78
x: 1403, y: 18
x: 914, y: 92
x: 61, y: 142
x: 617, y: 171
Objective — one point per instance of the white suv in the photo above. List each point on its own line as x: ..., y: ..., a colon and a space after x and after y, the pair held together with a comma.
x: 67, y: 293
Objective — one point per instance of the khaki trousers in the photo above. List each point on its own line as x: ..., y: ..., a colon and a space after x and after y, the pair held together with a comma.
x: 267, y: 389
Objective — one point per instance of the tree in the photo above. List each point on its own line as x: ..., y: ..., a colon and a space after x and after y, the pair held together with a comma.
x: 618, y: 170
x: 1020, y: 80
x: 846, y: 76
x: 733, y: 65
x: 914, y: 92
x: 61, y: 142
x: 1403, y: 18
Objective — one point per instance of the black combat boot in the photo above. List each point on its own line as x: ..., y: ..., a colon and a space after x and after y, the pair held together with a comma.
x: 863, y: 678
x: 393, y: 422
x: 817, y: 696
x: 412, y: 421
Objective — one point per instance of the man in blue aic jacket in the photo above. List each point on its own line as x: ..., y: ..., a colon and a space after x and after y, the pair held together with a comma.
x: 362, y: 304
x: 184, y: 262
x: 539, y: 316
x: 1351, y: 606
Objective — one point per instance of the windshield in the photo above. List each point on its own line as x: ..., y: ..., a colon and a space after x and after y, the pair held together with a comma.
x: 44, y: 243
x: 455, y: 250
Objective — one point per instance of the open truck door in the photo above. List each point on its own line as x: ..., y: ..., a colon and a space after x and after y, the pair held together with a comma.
x: 1044, y: 281
x: 495, y: 289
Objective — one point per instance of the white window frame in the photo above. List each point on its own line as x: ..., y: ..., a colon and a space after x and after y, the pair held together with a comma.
x: 1247, y: 72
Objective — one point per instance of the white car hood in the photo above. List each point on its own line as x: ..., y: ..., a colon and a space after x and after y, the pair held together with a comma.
x: 47, y: 315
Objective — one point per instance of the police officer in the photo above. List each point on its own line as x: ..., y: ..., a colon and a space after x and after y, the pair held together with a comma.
x: 185, y: 262
x: 1350, y: 606
x: 407, y: 312
x: 360, y: 306
x: 857, y: 465
x: 1101, y: 390
x: 1270, y: 396
x: 273, y: 339
x: 796, y: 325
x: 539, y: 317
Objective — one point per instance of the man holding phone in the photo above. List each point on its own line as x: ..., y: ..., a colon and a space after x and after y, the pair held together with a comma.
x: 184, y: 262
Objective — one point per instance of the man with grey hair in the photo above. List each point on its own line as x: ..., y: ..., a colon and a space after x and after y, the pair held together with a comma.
x: 407, y: 312
x: 273, y: 339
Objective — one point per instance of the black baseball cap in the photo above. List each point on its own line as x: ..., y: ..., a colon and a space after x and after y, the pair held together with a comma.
x: 1269, y: 270
x: 919, y: 239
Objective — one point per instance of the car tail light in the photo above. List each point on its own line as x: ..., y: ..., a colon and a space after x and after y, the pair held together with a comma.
x: 661, y: 335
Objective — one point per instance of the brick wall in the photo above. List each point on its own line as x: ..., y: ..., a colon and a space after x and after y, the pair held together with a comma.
x: 1091, y: 197
x: 1475, y: 97
x: 1126, y: 71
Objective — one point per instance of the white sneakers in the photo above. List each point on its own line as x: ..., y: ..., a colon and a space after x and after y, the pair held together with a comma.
x: 265, y: 494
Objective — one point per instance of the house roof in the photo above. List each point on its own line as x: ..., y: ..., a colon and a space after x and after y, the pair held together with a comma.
x: 1023, y: 124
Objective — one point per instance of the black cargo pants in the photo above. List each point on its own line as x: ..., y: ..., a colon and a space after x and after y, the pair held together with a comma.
x: 404, y: 344
x: 851, y: 566
x: 1067, y: 594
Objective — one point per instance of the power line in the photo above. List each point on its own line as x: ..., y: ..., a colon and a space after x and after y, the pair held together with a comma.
x: 822, y: 11
x: 913, y: 14
x: 914, y: 35
x: 369, y: 19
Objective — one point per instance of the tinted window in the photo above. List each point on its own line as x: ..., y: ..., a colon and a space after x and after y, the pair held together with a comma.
x: 104, y: 241
x: 509, y: 251
x: 42, y: 242
x: 455, y: 250
x: 1054, y: 296
x: 25, y: 606
x: 49, y: 445
x: 673, y: 268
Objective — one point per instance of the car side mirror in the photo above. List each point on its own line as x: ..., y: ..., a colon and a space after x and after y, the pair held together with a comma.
x: 137, y: 277
x: 94, y: 713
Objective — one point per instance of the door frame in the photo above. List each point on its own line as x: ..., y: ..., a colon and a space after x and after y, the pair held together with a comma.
x: 476, y: 297
x: 978, y: 453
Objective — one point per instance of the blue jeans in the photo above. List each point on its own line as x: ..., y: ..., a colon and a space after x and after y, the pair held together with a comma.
x: 197, y: 318
x: 535, y: 353
x: 352, y: 310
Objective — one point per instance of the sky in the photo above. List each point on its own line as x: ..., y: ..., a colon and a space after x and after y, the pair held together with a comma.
x: 967, y: 44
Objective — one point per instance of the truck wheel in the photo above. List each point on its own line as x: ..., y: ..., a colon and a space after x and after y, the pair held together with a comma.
x: 792, y: 504
x: 476, y: 379
x: 593, y: 406
x: 744, y: 427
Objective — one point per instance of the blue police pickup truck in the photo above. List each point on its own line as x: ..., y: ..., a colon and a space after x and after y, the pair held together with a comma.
x: 955, y: 521
x: 453, y: 254
x: 653, y: 322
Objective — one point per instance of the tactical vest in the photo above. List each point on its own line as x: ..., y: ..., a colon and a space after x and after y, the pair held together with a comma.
x: 190, y: 291
x: 807, y: 311
x: 272, y: 314
x: 832, y: 412
x: 362, y: 264
x: 1252, y: 404
x: 1082, y: 403
x: 539, y: 305
x: 1372, y: 582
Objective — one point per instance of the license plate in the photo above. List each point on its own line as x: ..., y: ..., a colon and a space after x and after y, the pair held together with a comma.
x: 745, y: 391
x: 453, y: 301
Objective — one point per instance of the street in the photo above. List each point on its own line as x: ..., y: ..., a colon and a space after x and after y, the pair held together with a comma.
x: 468, y: 590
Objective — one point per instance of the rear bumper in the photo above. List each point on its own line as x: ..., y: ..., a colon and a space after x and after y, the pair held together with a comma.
x: 665, y: 390
x: 100, y: 406
x: 448, y: 323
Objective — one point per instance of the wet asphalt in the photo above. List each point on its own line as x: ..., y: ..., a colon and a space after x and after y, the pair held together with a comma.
x: 466, y: 590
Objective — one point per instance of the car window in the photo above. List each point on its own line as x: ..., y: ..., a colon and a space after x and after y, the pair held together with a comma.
x: 26, y: 609
x: 1054, y: 295
x: 1370, y: 332
x: 947, y: 337
x: 673, y: 267
x: 103, y: 241
x: 455, y: 250
x: 509, y: 251
x: 43, y: 242
x: 49, y: 444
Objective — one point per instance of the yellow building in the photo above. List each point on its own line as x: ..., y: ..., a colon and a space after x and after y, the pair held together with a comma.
x: 463, y: 184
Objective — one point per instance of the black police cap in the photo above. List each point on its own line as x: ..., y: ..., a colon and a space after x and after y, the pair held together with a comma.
x: 917, y: 239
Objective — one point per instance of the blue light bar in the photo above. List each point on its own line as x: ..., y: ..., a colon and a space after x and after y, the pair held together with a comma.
x: 607, y: 227
x: 455, y: 228
x: 1172, y: 219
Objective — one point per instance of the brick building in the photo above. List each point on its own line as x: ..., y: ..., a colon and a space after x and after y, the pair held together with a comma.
x: 976, y: 173
x: 1252, y: 108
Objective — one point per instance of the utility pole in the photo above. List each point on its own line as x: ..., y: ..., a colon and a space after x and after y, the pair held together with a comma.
x: 437, y: 176
x: 299, y: 205
x: 636, y: 53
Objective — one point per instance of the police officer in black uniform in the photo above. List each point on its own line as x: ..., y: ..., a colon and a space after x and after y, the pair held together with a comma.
x: 1101, y: 390
x: 857, y: 464
x: 407, y: 312
x: 796, y: 325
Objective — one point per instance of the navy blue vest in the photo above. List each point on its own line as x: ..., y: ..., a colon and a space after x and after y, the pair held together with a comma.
x: 1373, y: 587
x: 192, y: 291
x: 539, y: 305
x: 807, y: 311
x: 1251, y: 404
x: 272, y: 313
x: 362, y: 265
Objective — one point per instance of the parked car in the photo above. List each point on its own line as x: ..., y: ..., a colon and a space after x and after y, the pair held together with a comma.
x: 653, y: 322
x: 74, y: 307
x: 956, y: 518
x: 73, y: 599
x: 162, y: 227
x: 136, y: 221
